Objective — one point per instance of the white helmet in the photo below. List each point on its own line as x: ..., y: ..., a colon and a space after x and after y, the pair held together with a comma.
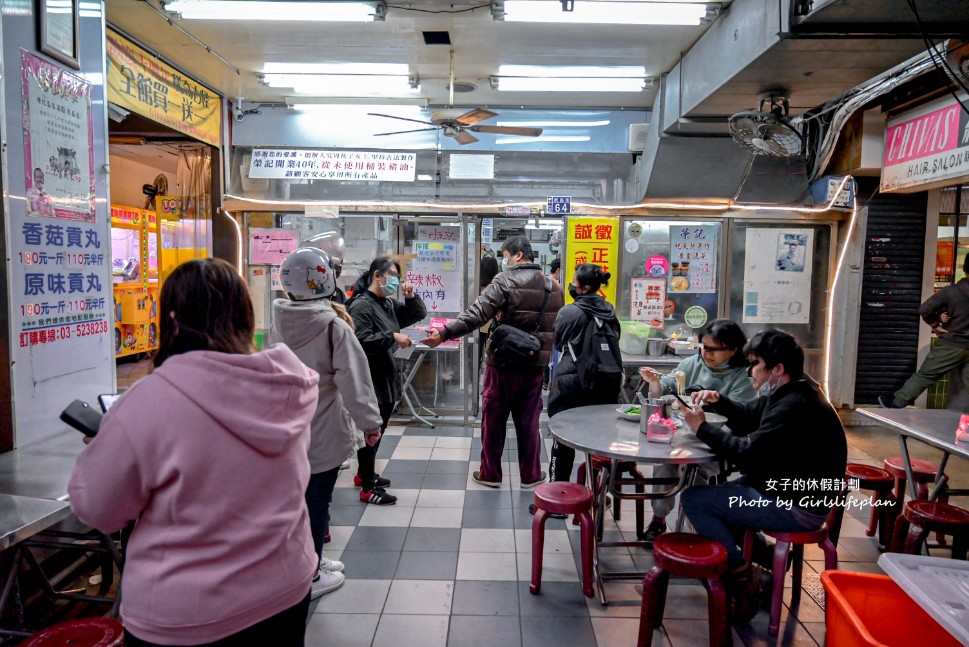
x: 330, y: 242
x: 307, y: 274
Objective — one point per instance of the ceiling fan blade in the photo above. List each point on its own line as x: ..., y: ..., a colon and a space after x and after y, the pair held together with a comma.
x: 462, y: 137
x: 401, y: 132
x: 746, y: 125
x: 474, y: 116
x: 416, y: 121
x: 507, y: 130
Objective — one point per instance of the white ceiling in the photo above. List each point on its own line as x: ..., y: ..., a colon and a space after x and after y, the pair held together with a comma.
x: 480, y: 45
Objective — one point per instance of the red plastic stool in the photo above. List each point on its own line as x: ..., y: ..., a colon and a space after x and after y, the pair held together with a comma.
x: 919, y: 518
x: 601, y: 466
x: 685, y: 555
x: 884, y: 509
x: 87, y: 632
x: 924, y: 474
x: 562, y: 497
x: 793, y: 543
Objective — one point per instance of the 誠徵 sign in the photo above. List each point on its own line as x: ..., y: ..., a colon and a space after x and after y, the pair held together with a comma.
x: 926, y: 147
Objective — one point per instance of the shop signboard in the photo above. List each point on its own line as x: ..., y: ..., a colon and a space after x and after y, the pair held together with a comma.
x: 436, y: 272
x: 693, y: 259
x: 593, y: 240
x: 140, y: 82
x: 927, y: 147
x: 339, y: 166
x: 777, y: 276
x: 58, y: 141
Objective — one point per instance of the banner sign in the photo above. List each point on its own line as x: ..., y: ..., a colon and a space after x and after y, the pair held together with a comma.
x: 139, y: 82
x: 58, y: 141
x: 276, y: 163
x: 592, y: 240
x: 926, y: 145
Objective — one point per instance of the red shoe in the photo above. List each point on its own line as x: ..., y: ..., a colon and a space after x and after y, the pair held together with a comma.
x: 378, y: 481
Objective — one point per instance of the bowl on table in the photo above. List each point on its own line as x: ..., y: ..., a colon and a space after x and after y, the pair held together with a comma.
x: 630, y: 412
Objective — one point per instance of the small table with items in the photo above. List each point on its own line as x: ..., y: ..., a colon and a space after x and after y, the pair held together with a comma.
x: 630, y: 368
x: 599, y: 430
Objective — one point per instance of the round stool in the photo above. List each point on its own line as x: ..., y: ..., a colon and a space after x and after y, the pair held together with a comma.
x: 884, y: 508
x: 685, y: 555
x: 922, y: 471
x: 919, y: 518
x: 87, y: 632
x: 562, y: 497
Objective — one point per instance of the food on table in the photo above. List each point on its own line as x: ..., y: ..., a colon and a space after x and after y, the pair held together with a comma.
x: 633, y: 411
x: 681, y: 383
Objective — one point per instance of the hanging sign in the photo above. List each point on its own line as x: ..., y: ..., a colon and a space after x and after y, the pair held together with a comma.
x: 140, y: 82
x: 592, y: 240
x: 277, y: 163
x: 436, y: 272
x: 693, y: 259
x: 648, y: 297
x: 58, y: 141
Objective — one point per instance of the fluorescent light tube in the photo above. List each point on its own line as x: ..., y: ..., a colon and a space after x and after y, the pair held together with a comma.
x: 626, y: 13
x: 552, y: 71
x: 342, y: 84
x: 257, y: 10
x: 565, y: 84
x: 555, y: 124
x: 542, y: 140
x: 385, y: 69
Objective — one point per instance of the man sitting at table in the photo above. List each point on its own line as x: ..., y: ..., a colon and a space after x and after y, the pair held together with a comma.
x: 789, y: 444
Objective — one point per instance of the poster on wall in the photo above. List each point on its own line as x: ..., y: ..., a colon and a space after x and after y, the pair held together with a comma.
x: 777, y: 276
x: 58, y: 141
x: 693, y: 259
x: 648, y: 299
x: 436, y: 272
x: 271, y: 246
x: 592, y: 240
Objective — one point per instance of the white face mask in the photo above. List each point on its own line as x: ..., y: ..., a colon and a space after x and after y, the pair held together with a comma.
x: 770, y: 386
x: 504, y: 263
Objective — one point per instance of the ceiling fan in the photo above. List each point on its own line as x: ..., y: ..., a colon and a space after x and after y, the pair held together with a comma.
x: 459, y: 123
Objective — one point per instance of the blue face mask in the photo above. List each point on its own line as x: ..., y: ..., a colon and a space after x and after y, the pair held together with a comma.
x: 390, y: 287
x: 767, y: 388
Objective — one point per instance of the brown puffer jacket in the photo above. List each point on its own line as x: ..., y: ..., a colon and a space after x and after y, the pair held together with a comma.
x: 515, y: 296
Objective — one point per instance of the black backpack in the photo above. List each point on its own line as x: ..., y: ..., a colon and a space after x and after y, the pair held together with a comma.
x: 599, y: 353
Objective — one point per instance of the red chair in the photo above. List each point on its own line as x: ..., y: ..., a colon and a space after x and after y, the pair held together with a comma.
x: 562, y: 497
x: 793, y: 543
x: 685, y: 555
x: 87, y: 632
x: 924, y: 474
x: 919, y: 518
x: 885, y: 508
x: 601, y: 466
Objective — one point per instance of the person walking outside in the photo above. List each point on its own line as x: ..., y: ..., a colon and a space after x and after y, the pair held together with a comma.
x: 518, y: 297
x: 378, y: 319
x: 308, y: 324
x: 947, y: 312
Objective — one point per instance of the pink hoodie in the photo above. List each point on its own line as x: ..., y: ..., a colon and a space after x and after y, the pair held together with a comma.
x: 208, y: 454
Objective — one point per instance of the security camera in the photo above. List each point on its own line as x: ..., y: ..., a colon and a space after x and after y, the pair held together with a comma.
x: 237, y: 112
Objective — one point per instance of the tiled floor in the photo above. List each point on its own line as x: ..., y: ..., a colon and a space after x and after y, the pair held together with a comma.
x: 450, y: 564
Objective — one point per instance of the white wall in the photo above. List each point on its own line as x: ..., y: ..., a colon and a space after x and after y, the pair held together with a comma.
x: 128, y: 176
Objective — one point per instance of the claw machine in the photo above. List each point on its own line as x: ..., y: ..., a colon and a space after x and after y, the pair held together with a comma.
x: 134, y: 274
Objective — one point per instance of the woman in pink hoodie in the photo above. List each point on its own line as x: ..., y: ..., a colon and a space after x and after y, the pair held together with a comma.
x: 208, y: 455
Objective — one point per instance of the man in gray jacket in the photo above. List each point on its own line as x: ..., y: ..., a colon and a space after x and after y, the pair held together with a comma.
x: 515, y: 297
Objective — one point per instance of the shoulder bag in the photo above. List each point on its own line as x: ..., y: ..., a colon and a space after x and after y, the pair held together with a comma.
x: 516, y: 347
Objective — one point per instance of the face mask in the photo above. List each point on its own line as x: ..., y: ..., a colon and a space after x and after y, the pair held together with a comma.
x: 572, y: 292
x: 390, y: 287
x: 504, y: 263
x: 767, y: 388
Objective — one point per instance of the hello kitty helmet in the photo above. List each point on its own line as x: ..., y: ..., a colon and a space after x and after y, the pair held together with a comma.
x: 307, y: 274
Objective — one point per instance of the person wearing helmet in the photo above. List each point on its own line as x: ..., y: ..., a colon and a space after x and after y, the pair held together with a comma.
x: 331, y: 243
x: 307, y: 323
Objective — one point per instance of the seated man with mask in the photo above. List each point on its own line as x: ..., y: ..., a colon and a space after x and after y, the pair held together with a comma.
x: 791, y: 447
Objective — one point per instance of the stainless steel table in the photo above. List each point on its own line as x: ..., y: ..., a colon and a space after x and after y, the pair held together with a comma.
x: 23, y: 517
x: 43, y: 469
x: 599, y: 430
x: 934, y: 427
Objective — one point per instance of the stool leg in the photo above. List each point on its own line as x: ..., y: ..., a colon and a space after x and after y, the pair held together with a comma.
x: 781, y: 549
x: 960, y: 544
x: 538, y: 545
x: 873, y: 520
x: 898, y: 537
x: 651, y: 612
x: 942, y: 498
x: 830, y: 555
x: 914, y: 540
x: 717, y: 611
x: 797, y: 567
x: 580, y: 475
x: 888, y: 513
x: 587, y: 538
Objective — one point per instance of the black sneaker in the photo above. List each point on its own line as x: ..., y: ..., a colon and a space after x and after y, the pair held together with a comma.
x: 377, y: 496
x: 888, y: 402
x: 378, y: 481
x: 553, y: 515
x: 654, y: 530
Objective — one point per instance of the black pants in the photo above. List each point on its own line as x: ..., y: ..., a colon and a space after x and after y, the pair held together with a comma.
x: 285, y: 629
x: 367, y: 455
x: 561, y: 462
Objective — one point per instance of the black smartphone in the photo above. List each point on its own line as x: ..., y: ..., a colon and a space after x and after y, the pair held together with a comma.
x: 107, y: 399
x: 80, y: 415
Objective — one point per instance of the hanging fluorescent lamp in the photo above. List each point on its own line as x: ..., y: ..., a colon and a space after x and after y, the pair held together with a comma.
x: 269, y: 10
x: 605, y: 12
x: 537, y: 78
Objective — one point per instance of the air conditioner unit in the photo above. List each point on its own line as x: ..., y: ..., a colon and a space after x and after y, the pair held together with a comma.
x: 637, y: 137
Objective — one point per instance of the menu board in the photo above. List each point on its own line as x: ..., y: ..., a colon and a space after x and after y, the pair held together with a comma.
x: 647, y: 302
x: 693, y: 259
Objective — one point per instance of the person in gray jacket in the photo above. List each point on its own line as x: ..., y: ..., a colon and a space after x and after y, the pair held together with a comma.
x: 307, y: 323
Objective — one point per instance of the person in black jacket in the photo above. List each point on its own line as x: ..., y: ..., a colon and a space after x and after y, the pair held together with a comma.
x: 789, y: 443
x: 378, y: 319
x: 566, y: 392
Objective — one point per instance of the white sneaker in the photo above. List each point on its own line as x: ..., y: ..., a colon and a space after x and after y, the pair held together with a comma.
x: 326, y: 582
x: 331, y: 565
x: 345, y: 465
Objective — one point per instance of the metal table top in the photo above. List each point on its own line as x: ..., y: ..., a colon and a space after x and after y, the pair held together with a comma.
x: 635, y: 361
x: 41, y: 470
x: 22, y: 517
x: 934, y: 427
x: 599, y: 430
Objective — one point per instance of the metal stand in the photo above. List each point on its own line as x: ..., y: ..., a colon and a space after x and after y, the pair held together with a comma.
x: 408, y: 392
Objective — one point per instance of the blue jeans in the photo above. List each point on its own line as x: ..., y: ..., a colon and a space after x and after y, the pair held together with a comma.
x: 319, y: 493
x: 725, y: 512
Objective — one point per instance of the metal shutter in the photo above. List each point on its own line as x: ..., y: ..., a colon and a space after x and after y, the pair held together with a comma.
x: 891, y: 290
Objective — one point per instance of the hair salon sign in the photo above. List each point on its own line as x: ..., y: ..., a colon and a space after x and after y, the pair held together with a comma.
x: 926, y: 146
